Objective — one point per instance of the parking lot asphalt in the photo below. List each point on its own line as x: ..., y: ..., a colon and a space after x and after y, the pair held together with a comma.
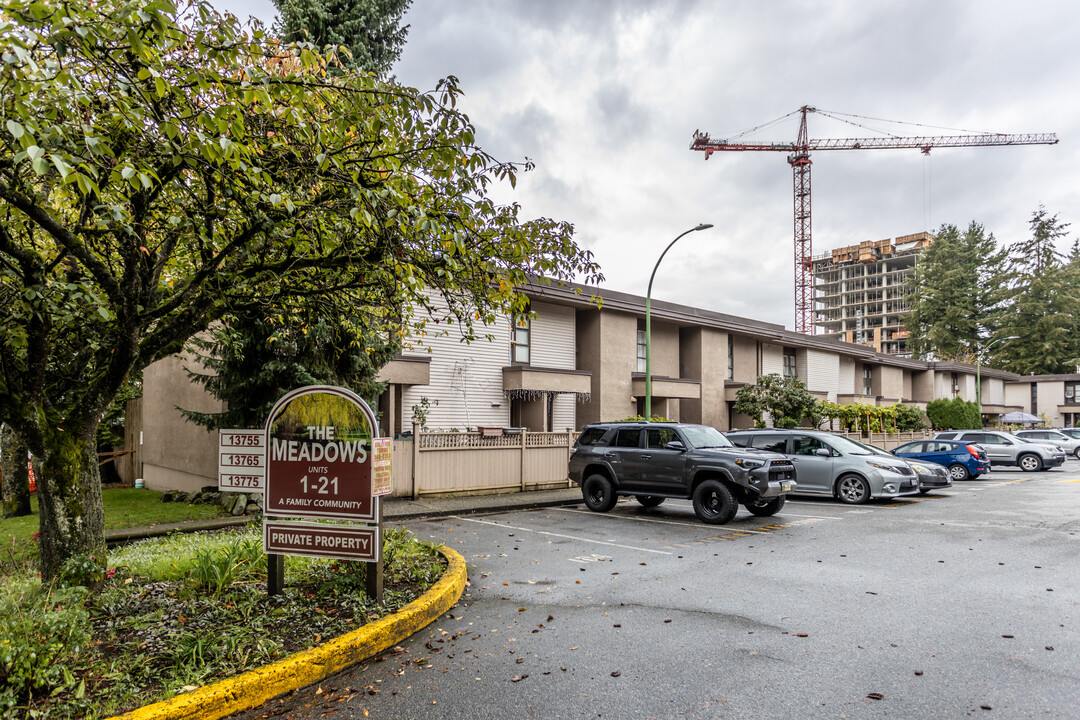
x: 959, y: 603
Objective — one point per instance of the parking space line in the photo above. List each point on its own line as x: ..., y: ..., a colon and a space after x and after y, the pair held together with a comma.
x: 644, y: 519
x: 819, y: 517
x: 551, y: 534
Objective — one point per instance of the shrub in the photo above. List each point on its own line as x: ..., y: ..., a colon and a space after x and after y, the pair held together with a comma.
x: 42, y: 628
x: 955, y: 414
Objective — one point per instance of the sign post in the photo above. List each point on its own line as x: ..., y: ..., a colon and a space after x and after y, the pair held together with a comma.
x: 320, y: 443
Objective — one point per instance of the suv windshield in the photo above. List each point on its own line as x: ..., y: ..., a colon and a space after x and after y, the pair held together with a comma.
x: 705, y: 436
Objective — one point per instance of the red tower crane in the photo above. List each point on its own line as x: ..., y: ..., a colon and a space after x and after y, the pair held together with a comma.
x: 799, y: 159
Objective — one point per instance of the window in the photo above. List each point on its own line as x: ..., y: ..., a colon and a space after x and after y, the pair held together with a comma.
x: 789, y: 363
x: 955, y: 383
x: 769, y: 442
x: 867, y: 381
x: 592, y: 436
x: 658, y: 438
x: 519, y: 341
x: 730, y: 357
x: 806, y: 445
x: 1072, y: 393
x: 627, y: 437
x: 642, y: 350
x: 1034, y: 398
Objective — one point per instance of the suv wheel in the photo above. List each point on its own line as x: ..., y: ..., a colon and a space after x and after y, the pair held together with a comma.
x: 649, y: 500
x: 959, y: 472
x: 599, y: 493
x: 766, y: 508
x: 1076, y: 453
x: 853, y: 490
x: 1029, y: 462
x: 713, y: 503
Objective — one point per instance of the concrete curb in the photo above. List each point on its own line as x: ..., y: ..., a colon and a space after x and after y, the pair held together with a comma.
x: 255, y: 687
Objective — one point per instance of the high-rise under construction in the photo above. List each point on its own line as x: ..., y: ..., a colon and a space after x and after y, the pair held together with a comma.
x: 862, y: 293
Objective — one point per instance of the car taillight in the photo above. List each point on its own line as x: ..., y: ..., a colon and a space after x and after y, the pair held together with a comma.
x: 972, y: 450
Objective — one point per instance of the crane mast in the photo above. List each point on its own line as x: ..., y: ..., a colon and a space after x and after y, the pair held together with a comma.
x: 799, y: 159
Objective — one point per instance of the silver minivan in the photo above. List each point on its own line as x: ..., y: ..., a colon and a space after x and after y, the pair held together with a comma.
x: 834, y: 466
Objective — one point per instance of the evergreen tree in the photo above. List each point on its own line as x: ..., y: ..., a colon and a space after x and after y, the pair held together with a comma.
x: 369, y: 29
x: 955, y: 293
x: 1042, y: 305
x: 255, y: 356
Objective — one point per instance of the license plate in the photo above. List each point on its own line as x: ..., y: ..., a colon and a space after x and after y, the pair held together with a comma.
x: 785, y: 486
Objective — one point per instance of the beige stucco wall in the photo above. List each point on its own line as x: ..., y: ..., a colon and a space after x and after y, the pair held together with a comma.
x: 891, y: 383
x: 704, y: 357
x: 746, y: 359
x: 607, y: 347
x: 176, y: 454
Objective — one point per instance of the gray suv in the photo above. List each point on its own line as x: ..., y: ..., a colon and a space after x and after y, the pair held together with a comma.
x: 1005, y: 449
x: 832, y: 465
x: 654, y: 461
x: 1068, y: 443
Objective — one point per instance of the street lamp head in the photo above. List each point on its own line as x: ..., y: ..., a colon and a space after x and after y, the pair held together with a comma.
x: 703, y: 226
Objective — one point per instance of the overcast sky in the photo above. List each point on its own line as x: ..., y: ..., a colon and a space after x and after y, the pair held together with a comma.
x: 605, y: 96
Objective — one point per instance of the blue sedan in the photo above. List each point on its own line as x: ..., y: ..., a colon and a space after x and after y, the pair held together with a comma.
x: 964, y: 460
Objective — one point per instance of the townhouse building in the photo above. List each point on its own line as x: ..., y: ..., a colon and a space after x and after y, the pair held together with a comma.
x: 574, y: 362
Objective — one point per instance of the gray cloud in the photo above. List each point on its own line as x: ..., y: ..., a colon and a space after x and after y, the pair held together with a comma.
x: 605, y: 97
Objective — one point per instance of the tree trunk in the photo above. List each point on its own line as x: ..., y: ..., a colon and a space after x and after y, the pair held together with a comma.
x: 70, y: 506
x: 16, y: 479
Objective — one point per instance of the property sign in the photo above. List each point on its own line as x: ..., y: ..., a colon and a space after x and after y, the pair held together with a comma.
x: 382, y: 480
x: 345, y: 542
x: 242, y: 460
x: 319, y: 456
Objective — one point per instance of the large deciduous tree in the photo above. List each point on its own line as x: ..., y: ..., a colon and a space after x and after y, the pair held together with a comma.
x: 1043, y: 308
x: 258, y: 353
x: 160, y: 167
x: 956, y: 293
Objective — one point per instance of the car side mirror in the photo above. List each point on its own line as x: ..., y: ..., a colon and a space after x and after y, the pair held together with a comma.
x: 675, y: 445
x: 823, y: 452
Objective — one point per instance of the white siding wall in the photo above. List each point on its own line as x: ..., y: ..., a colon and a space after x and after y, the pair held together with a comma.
x: 554, y: 345
x: 466, y: 379
x: 822, y: 373
x: 845, y: 382
x: 772, y: 359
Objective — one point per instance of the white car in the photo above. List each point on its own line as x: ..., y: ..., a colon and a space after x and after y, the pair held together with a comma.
x: 1071, y: 445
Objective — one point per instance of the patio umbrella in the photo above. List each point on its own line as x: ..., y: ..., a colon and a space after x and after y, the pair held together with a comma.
x: 1018, y: 416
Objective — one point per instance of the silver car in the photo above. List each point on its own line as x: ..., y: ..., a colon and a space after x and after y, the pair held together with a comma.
x: 1071, y: 445
x: 1005, y: 449
x: 834, y: 466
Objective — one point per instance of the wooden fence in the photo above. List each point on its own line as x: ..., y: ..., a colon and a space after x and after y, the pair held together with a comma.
x: 475, y: 463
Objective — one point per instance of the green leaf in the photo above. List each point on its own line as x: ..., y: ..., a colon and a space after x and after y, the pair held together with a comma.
x: 16, y: 129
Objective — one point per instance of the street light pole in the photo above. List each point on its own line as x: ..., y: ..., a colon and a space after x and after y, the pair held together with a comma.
x: 978, y: 367
x: 648, y: 321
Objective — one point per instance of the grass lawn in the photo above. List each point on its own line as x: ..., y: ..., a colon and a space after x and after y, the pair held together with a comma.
x: 124, y: 508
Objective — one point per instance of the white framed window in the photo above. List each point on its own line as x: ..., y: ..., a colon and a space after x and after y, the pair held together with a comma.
x: 641, y: 351
x: 520, y: 341
x: 790, y: 369
x: 730, y: 357
x: 867, y: 381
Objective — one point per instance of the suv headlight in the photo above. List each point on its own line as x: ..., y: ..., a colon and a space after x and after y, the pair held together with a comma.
x: 884, y: 466
x: 748, y: 463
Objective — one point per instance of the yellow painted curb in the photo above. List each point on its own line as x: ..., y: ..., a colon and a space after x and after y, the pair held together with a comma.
x: 253, y: 688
